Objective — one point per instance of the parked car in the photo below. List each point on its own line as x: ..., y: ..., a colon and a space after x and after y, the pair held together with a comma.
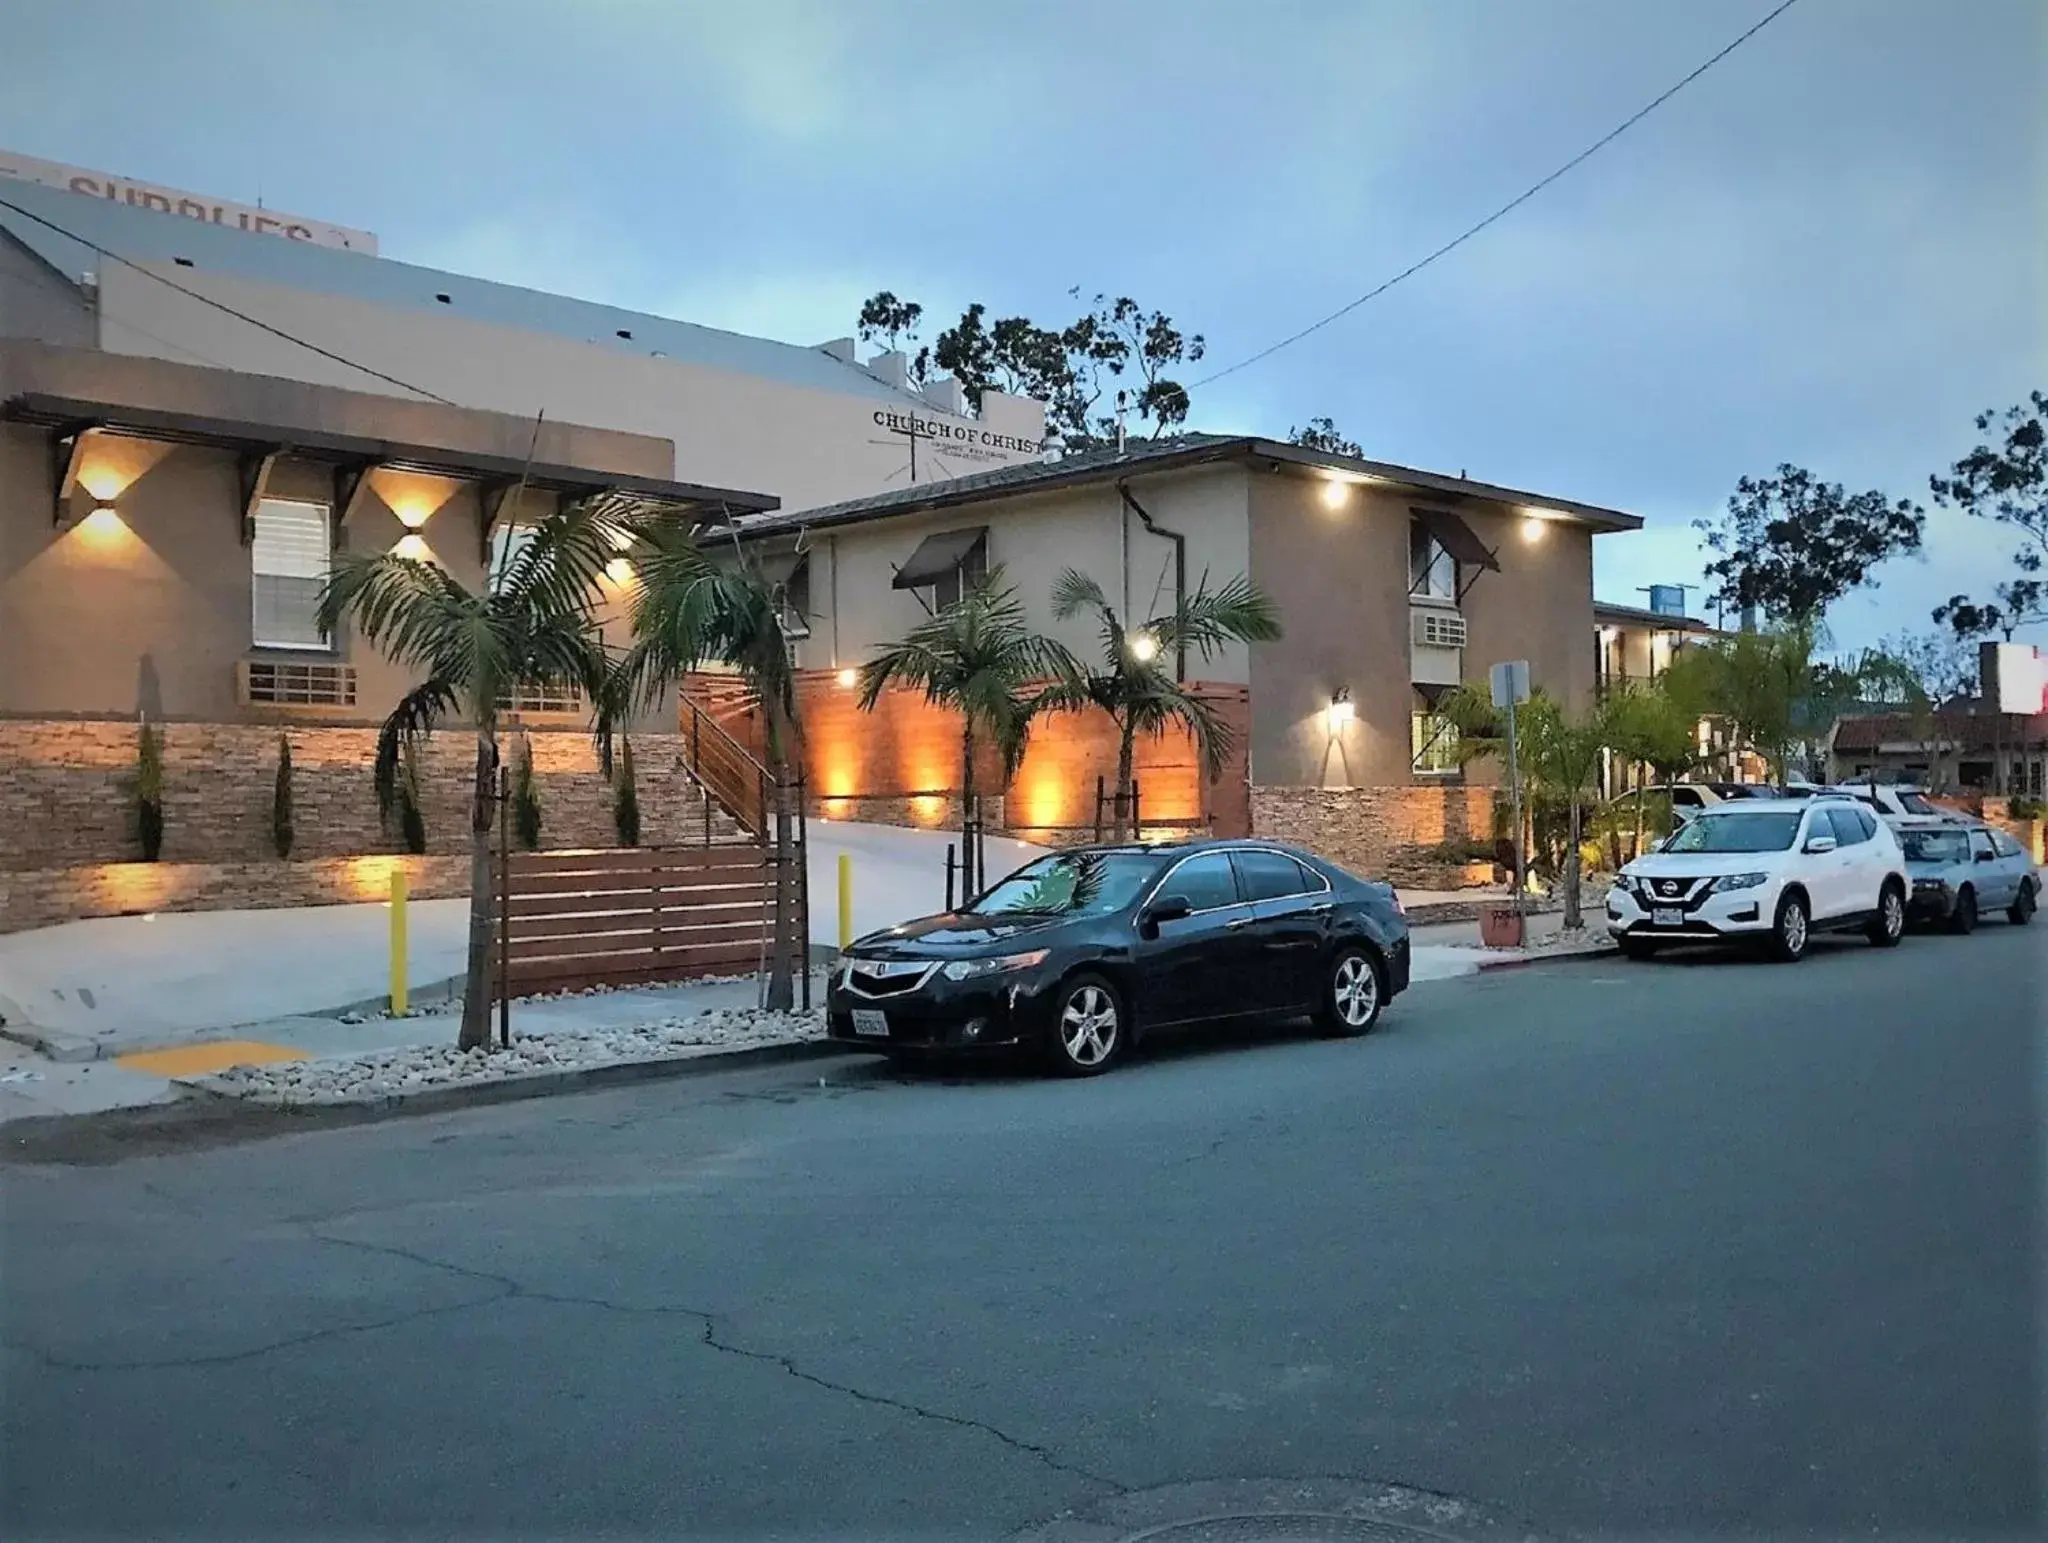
x: 1769, y: 870
x: 1687, y: 798
x: 1962, y: 870
x: 1892, y: 800
x: 1080, y: 954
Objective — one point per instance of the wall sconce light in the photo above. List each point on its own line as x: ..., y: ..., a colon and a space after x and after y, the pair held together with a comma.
x: 413, y: 547
x: 412, y: 513
x: 1532, y: 528
x: 1144, y: 647
x: 1336, y: 493
x: 1341, y: 710
x: 849, y: 677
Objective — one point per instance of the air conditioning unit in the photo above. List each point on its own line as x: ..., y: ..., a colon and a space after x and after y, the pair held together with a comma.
x: 1438, y: 628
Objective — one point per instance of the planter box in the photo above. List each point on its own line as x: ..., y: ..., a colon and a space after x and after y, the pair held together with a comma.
x: 1500, y: 926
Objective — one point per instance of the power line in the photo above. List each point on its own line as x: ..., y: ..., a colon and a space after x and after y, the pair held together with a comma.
x: 1507, y: 208
x: 264, y: 326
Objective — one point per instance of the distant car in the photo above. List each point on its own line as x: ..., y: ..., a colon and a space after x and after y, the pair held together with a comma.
x: 1733, y: 790
x: 1962, y: 871
x: 1079, y: 954
x: 1768, y: 870
x: 1687, y: 798
x: 1893, y: 801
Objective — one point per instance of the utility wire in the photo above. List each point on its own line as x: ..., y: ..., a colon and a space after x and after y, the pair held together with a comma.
x: 1507, y: 208
x: 264, y: 326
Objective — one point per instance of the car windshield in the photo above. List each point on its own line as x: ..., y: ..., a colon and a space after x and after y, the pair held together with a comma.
x: 1732, y: 831
x: 1935, y: 846
x: 1070, y: 884
x: 1913, y: 803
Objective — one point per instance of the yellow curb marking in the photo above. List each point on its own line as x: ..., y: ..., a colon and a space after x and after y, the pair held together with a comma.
x: 214, y: 1056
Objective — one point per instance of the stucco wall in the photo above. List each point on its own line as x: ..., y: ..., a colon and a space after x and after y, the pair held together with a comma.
x: 730, y: 430
x: 1340, y: 577
x: 1034, y: 538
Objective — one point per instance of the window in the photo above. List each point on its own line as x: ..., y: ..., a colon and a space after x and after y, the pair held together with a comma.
x: 1432, y: 572
x: 1273, y: 876
x: 1687, y: 798
x: 2004, y: 845
x: 1848, y: 825
x: 1936, y: 846
x: 1729, y: 831
x: 289, y: 561
x: 507, y: 542
x: 971, y: 570
x: 1206, y: 882
x: 1980, y: 846
x: 557, y: 697
x: 1064, y: 884
x: 1432, y: 743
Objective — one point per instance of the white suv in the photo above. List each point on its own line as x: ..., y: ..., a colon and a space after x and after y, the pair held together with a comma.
x: 1775, y: 870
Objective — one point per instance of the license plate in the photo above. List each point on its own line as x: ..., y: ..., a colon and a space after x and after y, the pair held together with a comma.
x: 870, y: 1022
x: 1662, y: 916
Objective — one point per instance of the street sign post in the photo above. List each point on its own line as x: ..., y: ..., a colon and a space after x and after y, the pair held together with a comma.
x: 1510, y: 683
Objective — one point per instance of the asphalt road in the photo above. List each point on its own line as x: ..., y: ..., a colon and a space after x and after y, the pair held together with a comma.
x: 1674, y: 1249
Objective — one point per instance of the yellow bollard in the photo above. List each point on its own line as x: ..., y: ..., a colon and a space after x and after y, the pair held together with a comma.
x: 397, y: 942
x: 845, y: 900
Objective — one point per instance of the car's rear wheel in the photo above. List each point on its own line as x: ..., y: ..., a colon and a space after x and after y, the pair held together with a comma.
x: 1089, y: 1030
x: 1964, y: 917
x: 1638, y: 948
x: 2021, y: 911
x: 1792, y: 930
x: 1353, y: 994
x: 1890, y: 923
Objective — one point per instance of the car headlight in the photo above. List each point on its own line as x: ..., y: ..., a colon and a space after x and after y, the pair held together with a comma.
x: 1741, y: 881
x: 967, y: 969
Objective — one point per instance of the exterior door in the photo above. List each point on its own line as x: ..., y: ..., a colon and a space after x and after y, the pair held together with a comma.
x: 1196, y: 967
x: 1858, y: 860
x: 1994, y: 879
x: 1291, y: 911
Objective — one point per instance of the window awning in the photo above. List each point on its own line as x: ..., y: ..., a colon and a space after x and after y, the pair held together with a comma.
x: 1456, y: 538
x: 1430, y: 693
x: 938, y: 555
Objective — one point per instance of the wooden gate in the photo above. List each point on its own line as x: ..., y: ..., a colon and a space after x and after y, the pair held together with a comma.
x: 635, y: 915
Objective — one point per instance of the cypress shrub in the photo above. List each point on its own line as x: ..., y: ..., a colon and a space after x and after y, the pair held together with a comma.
x: 526, y: 817
x: 412, y: 823
x: 149, y: 791
x: 281, y: 833
x: 625, y: 798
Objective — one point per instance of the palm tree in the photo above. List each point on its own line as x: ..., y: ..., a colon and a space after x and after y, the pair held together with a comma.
x: 1647, y: 726
x: 534, y: 624
x: 977, y: 657
x: 689, y: 611
x: 1135, y: 685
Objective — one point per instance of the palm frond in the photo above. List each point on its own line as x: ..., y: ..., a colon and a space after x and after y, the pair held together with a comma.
x: 1074, y: 592
x: 1208, y: 621
x: 408, y: 726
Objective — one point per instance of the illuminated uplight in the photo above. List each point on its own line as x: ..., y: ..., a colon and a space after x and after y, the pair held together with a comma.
x: 105, y: 483
x: 1336, y: 493
x: 620, y: 571
x: 413, y: 547
x: 103, y: 527
x: 849, y: 677
x: 1144, y: 647
x: 413, y: 511
x: 1341, y: 711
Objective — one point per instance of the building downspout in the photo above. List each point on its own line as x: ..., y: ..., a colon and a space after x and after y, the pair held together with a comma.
x: 1180, y: 572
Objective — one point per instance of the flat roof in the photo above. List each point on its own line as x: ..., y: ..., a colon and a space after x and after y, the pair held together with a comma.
x: 1608, y: 612
x: 1146, y: 457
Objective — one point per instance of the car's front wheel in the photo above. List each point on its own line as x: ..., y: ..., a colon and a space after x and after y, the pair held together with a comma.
x: 1889, y: 925
x: 1964, y: 917
x: 1792, y: 930
x: 2021, y: 911
x: 1089, y: 1030
x: 1353, y: 995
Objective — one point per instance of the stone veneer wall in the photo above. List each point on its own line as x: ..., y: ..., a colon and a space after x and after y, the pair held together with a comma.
x: 68, y: 842
x: 1380, y: 833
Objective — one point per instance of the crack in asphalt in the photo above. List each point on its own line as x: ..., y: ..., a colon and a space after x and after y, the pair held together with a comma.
x: 506, y: 1289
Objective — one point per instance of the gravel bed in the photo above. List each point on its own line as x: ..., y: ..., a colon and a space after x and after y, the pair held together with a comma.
x: 395, y: 1073
x: 1589, y: 939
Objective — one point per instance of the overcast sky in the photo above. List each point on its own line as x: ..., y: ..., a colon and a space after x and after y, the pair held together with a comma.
x: 1829, y: 250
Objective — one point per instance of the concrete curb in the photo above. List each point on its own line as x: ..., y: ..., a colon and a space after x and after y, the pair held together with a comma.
x: 200, y: 1112
x: 1578, y: 956
x: 54, y: 1044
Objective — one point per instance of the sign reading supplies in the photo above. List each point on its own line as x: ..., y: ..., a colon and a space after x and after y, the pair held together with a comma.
x: 191, y: 206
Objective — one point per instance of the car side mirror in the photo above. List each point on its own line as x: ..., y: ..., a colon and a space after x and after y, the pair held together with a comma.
x: 1817, y: 845
x: 1986, y: 857
x: 1168, y: 908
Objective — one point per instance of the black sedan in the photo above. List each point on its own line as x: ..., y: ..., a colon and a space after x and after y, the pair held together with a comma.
x: 1082, y: 953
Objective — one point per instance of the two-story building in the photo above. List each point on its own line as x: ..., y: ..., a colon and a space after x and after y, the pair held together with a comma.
x: 1392, y: 584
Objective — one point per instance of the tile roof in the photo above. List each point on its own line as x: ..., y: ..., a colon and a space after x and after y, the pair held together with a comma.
x: 147, y: 236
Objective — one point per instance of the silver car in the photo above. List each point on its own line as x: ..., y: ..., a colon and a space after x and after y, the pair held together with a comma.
x: 1961, y: 871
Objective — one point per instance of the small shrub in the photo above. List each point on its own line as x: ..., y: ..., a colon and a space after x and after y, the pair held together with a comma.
x: 2024, y: 808
x: 526, y: 818
x: 149, y: 791
x: 281, y: 833
x: 412, y: 821
x: 625, y: 797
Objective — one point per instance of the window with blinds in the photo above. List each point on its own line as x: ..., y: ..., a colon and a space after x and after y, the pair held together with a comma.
x: 290, y: 558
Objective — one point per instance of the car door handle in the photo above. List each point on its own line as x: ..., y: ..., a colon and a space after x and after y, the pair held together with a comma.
x: 1324, y: 909
x: 1236, y: 922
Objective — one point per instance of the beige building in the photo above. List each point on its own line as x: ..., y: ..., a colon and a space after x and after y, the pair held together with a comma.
x: 1392, y: 584
x: 806, y: 425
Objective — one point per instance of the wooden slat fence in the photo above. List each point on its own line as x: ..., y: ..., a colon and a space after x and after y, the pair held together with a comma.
x: 637, y: 915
